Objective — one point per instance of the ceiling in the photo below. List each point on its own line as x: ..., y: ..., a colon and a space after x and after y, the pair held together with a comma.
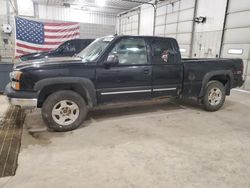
x: 111, y: 6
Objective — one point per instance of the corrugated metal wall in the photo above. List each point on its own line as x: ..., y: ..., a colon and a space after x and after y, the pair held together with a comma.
x: 6, y: 49
x: 175, y: 20
x: 74, y: 15
x: 129, y: 22
x: 236, y: 42
x: 207, y: 36
x: 92, y: 24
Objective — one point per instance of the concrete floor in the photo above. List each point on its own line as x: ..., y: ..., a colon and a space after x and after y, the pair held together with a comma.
x: 167, y: 145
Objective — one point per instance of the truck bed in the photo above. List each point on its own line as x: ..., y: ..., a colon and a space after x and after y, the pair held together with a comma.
x: 196, y: 69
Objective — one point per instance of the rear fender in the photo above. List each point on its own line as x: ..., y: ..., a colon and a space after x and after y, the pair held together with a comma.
x: 226, y: 73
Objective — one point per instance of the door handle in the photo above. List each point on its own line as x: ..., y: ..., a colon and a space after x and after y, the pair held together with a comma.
x: 146, y: 71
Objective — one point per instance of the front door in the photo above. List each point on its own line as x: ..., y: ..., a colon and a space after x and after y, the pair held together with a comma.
x: 130, y: 78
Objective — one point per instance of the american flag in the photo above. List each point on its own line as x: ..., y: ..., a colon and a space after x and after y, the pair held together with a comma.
x: 33, y: 36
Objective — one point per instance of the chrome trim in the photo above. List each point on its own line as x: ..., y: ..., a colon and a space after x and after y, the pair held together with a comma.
x: 123, y: 92
x: 23, y: 103
x: 164, y: 89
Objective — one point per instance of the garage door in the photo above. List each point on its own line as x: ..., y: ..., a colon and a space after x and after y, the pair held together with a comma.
x: 129, y: 23
x: 236, y: 43
x: 176, y: 20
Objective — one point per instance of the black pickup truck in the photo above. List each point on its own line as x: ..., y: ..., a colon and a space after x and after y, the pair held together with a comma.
x: 119, y: 69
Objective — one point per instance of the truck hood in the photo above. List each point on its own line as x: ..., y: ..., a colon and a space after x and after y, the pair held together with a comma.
x: 36, y: 55
x: 46, y: 61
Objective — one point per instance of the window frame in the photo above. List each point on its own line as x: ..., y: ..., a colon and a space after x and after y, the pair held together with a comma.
x: 162, y: 40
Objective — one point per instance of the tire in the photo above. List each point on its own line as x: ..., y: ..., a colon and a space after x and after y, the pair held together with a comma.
x: 214, y: 97
x: 64, y: 111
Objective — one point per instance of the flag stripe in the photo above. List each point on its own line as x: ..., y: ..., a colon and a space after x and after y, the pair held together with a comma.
x: 61, y: 37
x: 60, y: 24
x: 39, y: 45
x: 62, y: 27
x: 61, y: 30
x: 53, y: 43
x: 22, y: 52
x: 32, y: 47
x: 61, y: 33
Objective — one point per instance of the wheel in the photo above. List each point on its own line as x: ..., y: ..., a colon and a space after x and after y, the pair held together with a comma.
x: 64, y: 111
x: 214, y: 97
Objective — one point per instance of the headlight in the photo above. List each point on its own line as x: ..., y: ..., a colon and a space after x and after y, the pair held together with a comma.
x: 15, y: 85
x: 15, y: 75
x: 15, y: 78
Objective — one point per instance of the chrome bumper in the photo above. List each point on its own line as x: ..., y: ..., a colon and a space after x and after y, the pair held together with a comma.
x: 23, y: 103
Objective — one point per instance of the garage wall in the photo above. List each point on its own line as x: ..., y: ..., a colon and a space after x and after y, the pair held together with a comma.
x: 74, y: 15
x: 147, y: 20
x: 129, y: 22
x: 207, y: 36
x: 7, y: 47
x: 236, y: 41
x: 95, y: 25
x: 176, y: 20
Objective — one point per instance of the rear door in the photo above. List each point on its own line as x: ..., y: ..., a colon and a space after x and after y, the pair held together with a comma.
x: 130, y: 79
x: 167, y: 70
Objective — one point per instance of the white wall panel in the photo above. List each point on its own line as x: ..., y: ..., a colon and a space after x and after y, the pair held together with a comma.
x: 237, y: 36
x: 172, y: 18
x: 171, y: 28
x: 69, y: 14
x: 184, y: 38
x: 238, y: 5
x: 173, y: 7
x: 185, y: 49
x: 185, y: 4
x: 238, y: 19
x: 186, y: 15
x: 185, y: 27
x: 161, y: 11
x: 159, y: 30
x: 160, y: 20
x: 129, y: 22
x: 214, y: 10
x: 147, y: 20
x: 245, y: 48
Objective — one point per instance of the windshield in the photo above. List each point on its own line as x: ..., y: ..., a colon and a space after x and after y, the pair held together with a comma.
x: 94, y: 50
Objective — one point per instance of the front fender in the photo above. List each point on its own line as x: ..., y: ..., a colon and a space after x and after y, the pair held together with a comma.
x: 81, y: 83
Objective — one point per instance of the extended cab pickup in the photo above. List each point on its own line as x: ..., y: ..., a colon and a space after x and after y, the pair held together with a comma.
x: 119, y: 69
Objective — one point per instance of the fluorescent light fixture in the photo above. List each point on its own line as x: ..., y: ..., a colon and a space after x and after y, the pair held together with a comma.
x: 235, y: 51
x: 100, y: 3
x: 183, y: 50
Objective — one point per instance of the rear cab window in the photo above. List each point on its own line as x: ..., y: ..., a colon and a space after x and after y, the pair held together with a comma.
x: 162, y: 51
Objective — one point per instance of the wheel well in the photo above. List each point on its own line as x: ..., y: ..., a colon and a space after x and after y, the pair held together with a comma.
x: 48, y: 90
x: 225, y: 80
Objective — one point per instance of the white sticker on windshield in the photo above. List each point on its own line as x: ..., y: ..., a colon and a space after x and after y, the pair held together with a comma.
x: 108, y: 39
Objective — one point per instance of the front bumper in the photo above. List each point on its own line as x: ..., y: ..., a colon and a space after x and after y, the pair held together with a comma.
x: 23, y: 103
x: 24, y: 99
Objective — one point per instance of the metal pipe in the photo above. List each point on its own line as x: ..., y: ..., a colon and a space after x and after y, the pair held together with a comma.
x: 8, y: 11
x: 223, y: 29
x: 193, y: 30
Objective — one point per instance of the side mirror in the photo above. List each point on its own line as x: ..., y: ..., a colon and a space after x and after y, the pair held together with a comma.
x: 112, y: 60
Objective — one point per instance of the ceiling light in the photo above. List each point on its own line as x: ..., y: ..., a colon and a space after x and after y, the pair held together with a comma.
x: 100, y: 3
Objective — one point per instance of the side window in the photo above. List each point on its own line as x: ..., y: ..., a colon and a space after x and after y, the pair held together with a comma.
x: 162, y: 52
x: 130, y: 51
x: 69, y: 47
